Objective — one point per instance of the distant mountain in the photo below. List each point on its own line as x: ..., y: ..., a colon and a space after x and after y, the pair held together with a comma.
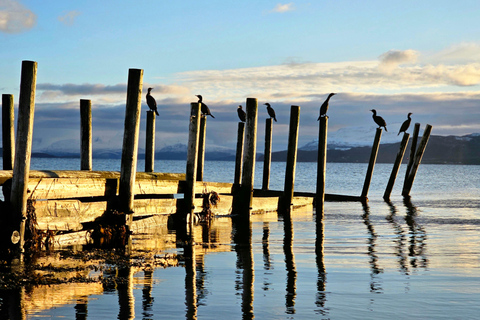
x: 179, y: 152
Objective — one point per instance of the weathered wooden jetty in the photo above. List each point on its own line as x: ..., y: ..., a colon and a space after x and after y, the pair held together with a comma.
x: 69, y: 202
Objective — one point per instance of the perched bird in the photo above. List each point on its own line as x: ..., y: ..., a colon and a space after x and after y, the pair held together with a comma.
x: 405, y: 124
x: 271, y: 112
x: 324, y: 107
x: 152, y: 104
x: 379, y: 120
x: 241, y: 114
x: 203, y: 107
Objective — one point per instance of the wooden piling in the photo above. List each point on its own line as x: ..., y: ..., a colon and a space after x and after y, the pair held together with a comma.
x: 85, y: 134
x: 413, y: 147
x: 267, y: 158
x: 418, y: 158
x: 150, y: 142
x: 396, y: 166
x: 291, y: 159
x: 8, y: 138
x: 321, y: 166
x: 23, y: 149
x: 192, y: 161
x: 130, y: 143
x: 371, y: 164
x: 239, y: 155
x: 201, y: 147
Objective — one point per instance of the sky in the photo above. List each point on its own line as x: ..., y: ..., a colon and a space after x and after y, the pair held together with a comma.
x: 393, y: 56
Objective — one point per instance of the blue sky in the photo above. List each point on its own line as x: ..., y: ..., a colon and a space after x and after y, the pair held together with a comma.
x: 397, y: 57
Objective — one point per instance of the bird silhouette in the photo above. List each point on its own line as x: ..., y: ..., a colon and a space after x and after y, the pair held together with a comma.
x: 152, y: 104
x: 405, y: 124
x: 203, y: 107
x: 379, y: 120
x: 271, y: 112
x: 324, y: 107
x: 241, y: 114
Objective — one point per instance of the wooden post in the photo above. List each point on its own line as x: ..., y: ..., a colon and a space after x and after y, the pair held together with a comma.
x: 8, y: 132
x: 371, y: 164
x: 150, y: 142
x: 267, y: 159
x: 239, y: 155
x: 192, y: 161
x: 413, y: 147
x: 291, y: 159
x: 418, y: 158
x: 85, y: 134
x: 396, y: 166
x: 23, y: 148
x: 201, y: 147
x: 321, y: 166
x: 128, y: 169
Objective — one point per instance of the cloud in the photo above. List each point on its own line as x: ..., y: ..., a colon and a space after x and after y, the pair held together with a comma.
x: 393, y: 58
x: 15, y: 18
x: 69, y: 18
x: 281, y: 8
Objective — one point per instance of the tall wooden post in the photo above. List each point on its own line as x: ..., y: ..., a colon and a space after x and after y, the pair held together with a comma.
x: 128, y: 169
x: 413, y: 147
x: 8, y: 132
x: 150, y: 142
x: 267, y: 159
x: 396, y: 166
x: 192, y: 154
x: 321, y: 166
x: 23, y: 148
x: 291, y: 159
x: 418, y: 158
x: 239, y: 155
x: 371, y: 164
x: 85, y: 134
x: 201, y: 147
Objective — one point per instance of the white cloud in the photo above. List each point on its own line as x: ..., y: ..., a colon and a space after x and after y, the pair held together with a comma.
x: 15, y: 18
x: 280, y: 8
x: 393, y: 58
x: 69, y: 17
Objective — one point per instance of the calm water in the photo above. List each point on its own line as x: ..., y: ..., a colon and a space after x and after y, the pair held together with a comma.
x: 398, y: 260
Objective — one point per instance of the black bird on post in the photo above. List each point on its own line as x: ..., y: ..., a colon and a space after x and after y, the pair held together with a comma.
x: 271, y: 112
x: 379, y: 120
x: 241, y: 114
x: 152, y: 104
x: 324, y: 107
x: 405, y: 124
x: 204, y: 108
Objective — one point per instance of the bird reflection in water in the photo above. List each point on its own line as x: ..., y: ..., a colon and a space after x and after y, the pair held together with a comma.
x: 375, y: 281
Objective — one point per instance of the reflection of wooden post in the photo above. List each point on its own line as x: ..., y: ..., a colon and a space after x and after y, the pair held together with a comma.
x: 201, y: 147
x: 396, y: 166
x: 321, y: 166
x: 130, y: 143
x: 239, y: 156
x: 418, y: 158
x: 192, y: 154
x: 8, y: 138
x: 85, y: 134
x: 23, y: 148
x: 267, y: 158
x: 190, y: 281
x: 413, y: 147
x: 126, y: 298
x: 150, y: 142
x: 291, y: 159
x: 371, y: 164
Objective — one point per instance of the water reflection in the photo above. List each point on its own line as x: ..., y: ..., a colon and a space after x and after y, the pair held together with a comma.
x: 400, y: 239
x: 190, y: 279
x: 375, y: 280
x: 267, y: 264
x: 147, y: 299
x: 321, y: 298
x: 12, y: 304
x: 418, y: 237
x: 290, y: 264
x: 81, y: 311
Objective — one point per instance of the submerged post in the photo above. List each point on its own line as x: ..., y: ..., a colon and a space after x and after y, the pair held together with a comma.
x: 371, y: 164
x: 192, y: 154
x: 8, y: 138
x: 130, y: 143
x: 396, y: 166
x: 321, y: 166
x: 150, y: 142
x: 267, y: 158
x: 23, y: 150
x: 291, y: 159
x: 85, y: 134
x: 201, y: 147
x: 239, y: 155
x: 418, y: 158
x: 413, y: 147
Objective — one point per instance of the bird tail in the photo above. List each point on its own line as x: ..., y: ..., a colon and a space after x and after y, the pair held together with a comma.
x: 398, y: 133
x: 212, y: 116
x: 386, y: 129
x: 275, y: 119
x: 156, y: 112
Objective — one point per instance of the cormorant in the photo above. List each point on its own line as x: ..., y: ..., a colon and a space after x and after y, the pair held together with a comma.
x: 324, y: 107
x: 152, y: 104
x: 203, y: 107
x: 379, y: 120
x: 271, y: 112
x: 241, y: 114
x: 405, y: 124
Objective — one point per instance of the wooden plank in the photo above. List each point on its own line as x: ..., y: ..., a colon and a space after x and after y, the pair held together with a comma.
x: 144, y: 207
x: 61, y: 188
